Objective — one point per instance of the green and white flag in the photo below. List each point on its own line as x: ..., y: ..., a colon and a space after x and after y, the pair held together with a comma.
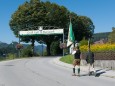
x: 71, y: 37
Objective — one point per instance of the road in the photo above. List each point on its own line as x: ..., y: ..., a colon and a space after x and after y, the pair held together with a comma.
x: 43, y: 72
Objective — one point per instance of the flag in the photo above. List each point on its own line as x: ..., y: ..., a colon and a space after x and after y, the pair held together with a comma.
x: 71, y: 37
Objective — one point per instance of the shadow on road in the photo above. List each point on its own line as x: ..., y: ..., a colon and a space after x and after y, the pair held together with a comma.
x: 8, y: 65
x: 99, y: 72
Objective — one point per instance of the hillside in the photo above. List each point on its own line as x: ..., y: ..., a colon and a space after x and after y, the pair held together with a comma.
x: 11, y: 48
x: 2, y: 45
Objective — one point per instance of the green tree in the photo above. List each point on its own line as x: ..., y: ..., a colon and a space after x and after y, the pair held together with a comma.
x: 112, y: 36
x: 37, y: 13
x: 55, y: 49
x: 26, y: 52
x: 83, y: 42
x: 83, y: 27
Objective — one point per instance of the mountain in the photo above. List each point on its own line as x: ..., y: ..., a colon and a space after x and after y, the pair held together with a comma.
x: 39, y: 48
x: 2, y: 45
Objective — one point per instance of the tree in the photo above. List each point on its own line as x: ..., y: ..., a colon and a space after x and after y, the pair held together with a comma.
x: 8, y: 48
x: 26, y: 52
x: 111, y: 37
x: 56, y: 16
x: 83, y: 27
x: 83, y: 42
x: 55, y: 49
x: 36, y: 13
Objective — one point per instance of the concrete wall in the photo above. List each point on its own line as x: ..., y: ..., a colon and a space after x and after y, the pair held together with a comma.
x: 102, y: 63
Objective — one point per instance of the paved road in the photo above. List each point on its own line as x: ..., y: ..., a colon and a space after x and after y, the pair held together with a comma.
x: 42, y: 72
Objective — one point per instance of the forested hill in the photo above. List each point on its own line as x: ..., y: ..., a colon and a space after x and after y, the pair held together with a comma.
x: 11, y: 48
x: 3, y: 44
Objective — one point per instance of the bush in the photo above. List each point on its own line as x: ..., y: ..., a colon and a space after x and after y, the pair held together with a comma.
x: 11, y: 56
x: 83, y: 42
x: 26, y: 52
x: 45, y: 53
x: 55, y: 49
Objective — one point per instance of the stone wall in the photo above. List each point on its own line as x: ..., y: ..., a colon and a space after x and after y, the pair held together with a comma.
x: 102, y: 59
x: 102, y: 63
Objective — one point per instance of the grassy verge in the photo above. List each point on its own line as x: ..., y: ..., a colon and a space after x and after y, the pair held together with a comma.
x: 2, y: 59
x: 67, y: 59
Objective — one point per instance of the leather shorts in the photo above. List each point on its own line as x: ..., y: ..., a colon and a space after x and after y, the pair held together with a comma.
x: 76, y: 62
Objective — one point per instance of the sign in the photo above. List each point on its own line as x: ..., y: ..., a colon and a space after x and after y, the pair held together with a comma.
x: 63, y: 45
x: 41, y: 32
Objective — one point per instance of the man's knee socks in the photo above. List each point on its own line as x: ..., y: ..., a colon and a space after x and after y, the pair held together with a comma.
x: 78, y: 70
x: 73, y: 70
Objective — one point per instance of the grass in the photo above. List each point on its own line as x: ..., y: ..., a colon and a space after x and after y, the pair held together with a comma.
x: 2, y: 58
x: 67, y: 59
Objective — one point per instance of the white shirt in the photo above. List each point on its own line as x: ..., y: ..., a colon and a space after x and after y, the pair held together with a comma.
x: 73, y: 52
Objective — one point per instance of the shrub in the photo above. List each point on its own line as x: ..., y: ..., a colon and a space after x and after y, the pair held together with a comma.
x: 26, y: 52
x: 83, y: 42
x: 55, y: 49
x: 11, y: 56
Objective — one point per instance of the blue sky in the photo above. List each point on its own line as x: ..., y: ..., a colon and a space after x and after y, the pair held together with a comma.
x: 101, y: 12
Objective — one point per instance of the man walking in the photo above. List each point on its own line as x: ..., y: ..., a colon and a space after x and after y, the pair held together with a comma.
x: 90, y: 62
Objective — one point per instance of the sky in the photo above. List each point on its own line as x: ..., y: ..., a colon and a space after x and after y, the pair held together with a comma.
x: 101, y: 12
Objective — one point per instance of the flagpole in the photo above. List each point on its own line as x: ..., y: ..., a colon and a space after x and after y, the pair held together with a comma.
x: 71, y: 38
x: 70, y: 22
x: 70, y: 17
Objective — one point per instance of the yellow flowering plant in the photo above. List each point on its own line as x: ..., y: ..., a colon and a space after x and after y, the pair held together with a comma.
x: 98, y: 47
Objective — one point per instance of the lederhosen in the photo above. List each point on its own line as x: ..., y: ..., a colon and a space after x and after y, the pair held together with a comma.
x: 77, y: 58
